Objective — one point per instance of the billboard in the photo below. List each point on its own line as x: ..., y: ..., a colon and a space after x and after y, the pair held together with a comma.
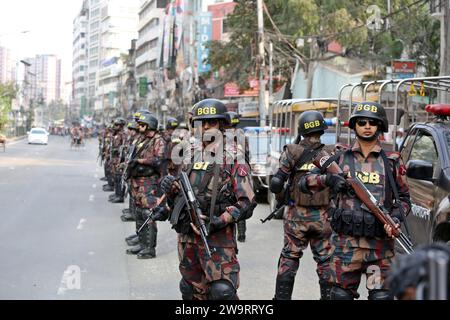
x: 205, y: 34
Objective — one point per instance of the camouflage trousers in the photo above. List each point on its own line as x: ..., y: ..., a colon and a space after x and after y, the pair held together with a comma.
x: 297, y: 236
x: 199, y: 271
x: 348, y: 262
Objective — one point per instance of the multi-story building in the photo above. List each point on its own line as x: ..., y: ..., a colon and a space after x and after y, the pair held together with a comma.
x: 80, y: 61
x: 7, y: 66
x: 148, y: 51
x: 118, y: 26
x: 46, y: 78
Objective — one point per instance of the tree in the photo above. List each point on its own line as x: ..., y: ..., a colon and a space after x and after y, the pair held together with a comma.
x: 301, y: 31
x: 8, y: 92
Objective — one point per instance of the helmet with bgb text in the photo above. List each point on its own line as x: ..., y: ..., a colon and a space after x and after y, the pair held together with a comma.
x: 370, y: 110
x: 209, y: 109
x: 311, y: 121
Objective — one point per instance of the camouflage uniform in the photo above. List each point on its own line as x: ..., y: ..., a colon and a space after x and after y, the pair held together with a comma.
x: 144, y: 186
x: 202, y: 276
x: 107, y: 147
x: 305, y: 222
x: 353, y: 253
x: 118, y: 153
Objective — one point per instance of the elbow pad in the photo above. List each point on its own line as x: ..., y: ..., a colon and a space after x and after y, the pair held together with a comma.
x: 277, y: 182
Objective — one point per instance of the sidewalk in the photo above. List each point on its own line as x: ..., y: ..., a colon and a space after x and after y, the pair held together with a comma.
x: 14, y: 139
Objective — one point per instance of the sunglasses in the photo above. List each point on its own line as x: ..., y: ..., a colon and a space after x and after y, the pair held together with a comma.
x: 363, y: 122
x: 142, y: 125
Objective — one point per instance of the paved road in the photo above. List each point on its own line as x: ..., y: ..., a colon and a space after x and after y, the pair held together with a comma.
x: 56, y: 224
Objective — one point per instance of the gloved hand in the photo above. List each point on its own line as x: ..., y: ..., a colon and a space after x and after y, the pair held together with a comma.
x: 132, y: 163
x: 216, y: 223
x: 166, y: 183
x: 159, y: 214
x: 336, y: 182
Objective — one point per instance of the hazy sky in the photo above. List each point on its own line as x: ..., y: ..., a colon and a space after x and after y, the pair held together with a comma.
x: 50, y: 23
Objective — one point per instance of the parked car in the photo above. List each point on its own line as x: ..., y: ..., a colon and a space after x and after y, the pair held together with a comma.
x: 38, y: 136
x: 426, y: 152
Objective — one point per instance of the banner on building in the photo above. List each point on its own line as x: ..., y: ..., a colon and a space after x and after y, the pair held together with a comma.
x: 205, y: 34
x: 231, y: 89
x: 143, y: 87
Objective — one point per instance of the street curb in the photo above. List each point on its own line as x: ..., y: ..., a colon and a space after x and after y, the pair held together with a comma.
x: 14, y: 139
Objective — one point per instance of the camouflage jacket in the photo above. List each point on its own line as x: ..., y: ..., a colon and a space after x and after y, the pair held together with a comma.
x: 371, y: 171
x: 302, y: 206
x: 235, y: 194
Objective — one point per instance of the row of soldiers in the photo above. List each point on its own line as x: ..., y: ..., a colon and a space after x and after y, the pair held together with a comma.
x: 320, y: 208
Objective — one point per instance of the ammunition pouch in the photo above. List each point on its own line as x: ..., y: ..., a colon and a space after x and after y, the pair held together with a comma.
x: 142, y: 171
x: 303, y: 199
x: 356, y: 223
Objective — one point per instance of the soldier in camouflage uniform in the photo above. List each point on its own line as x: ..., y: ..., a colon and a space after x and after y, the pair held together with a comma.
x: 171, y: 125
x: 133, y: 135
x: 133, y: 239
x: 145, y: 178
x: 109, y: 186
x: 305, y: 220
x: 216, y: 278
x: 361, y: 244
x: 242, y: 146
x: 118, y: 152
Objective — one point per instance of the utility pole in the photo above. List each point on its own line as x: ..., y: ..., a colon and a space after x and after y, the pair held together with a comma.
x: 262, y: 66
x: 445, y: 46
x: 270, y: 81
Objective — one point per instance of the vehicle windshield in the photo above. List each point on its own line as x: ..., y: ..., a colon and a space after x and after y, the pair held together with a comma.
x: 328, y: 138
x: 258, y: 147
x: 38, y: 131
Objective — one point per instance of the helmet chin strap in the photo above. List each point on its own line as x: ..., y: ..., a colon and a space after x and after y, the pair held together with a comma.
x: 368, y: 139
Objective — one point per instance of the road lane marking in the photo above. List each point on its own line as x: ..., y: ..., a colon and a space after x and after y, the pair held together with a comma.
x: 94, y: 186
x: 91, y: 198
x: 80, y: 225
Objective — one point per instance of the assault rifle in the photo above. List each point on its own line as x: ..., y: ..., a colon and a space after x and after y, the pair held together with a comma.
x: 126, y: 171
x: 160, y: 200
x: 193, y: 207
x: 368, y: 199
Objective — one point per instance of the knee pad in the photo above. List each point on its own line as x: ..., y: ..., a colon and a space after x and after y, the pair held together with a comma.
x: 380, y: 295
x: 186, y: 289
x: 221, y: 290
x: 338, y: 293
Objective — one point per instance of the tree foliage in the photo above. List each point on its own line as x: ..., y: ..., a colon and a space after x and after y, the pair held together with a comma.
x: 8, y: 92
x: 301, y: 30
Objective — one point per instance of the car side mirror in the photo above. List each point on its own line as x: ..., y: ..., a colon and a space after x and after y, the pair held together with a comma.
x: 420, y: 170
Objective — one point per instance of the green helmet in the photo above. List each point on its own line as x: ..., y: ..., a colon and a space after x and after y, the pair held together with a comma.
x: 139, y: 113
x: 232, y: 118
x: 150, y: 120
x: 311, y: 121
x: 209, y: 109
x: 172, y: 123
x: 132, y: 125
x: 120, y: 121
x: 371, y: 110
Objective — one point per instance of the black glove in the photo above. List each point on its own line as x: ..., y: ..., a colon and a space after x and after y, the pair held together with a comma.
x: 166, y: 183
x: 215, y: 223
x: 159, y: 214
x: 336, y: 182
x: 132, y: 163
x: 397, y: 215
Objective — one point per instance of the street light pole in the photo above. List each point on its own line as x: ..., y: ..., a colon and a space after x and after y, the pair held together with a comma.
x: 262, y: 65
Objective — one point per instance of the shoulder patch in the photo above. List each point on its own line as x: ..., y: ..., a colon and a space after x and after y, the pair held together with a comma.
x: 242, y: 170
x: 394, y: 155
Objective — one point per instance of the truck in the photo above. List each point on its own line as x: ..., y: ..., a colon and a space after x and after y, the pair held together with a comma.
x: 426, y: 153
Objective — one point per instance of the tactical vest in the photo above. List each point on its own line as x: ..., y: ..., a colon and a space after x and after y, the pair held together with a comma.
x: 318, y: 199
x: 360, y: 222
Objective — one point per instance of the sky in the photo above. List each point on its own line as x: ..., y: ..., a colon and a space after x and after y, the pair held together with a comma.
x: 50, y: 24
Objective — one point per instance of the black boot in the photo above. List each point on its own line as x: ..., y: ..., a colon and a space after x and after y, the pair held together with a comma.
x: 130, y: 237
x: 135, y: 249
x: 325, y: 289
x: 117, y: 200
x: 127, y: 217
x: 133, y: 241
x: 126, y: 210
x: 149, y: 238
x: 107, y: 188
x: 103, y: 179
x: 284, y: 286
